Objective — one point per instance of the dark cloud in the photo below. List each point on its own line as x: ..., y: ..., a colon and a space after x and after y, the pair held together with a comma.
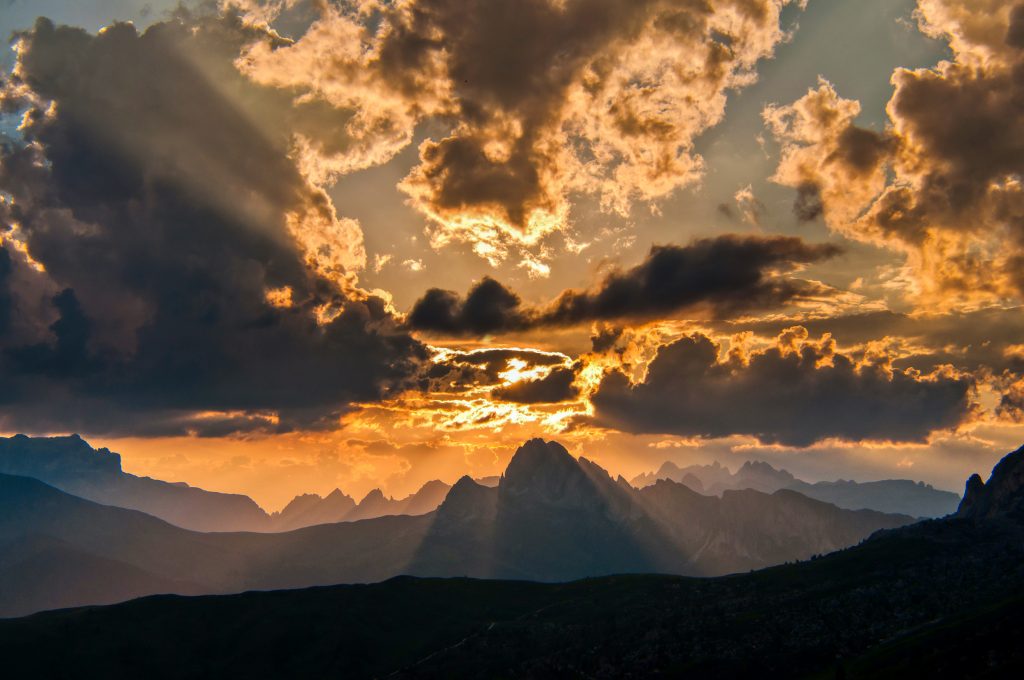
x: 720, y: 276
x: 970, y: 341
x: 861, y: 150
x: 554, y: 387
x: 796, y: 393
x: 5, y: 292
x: 156, y: 193
x: 489, y: 307
x: 461, y: 370
x: 807, y: 205
x: 605, y: 338
x: 1015, y: 31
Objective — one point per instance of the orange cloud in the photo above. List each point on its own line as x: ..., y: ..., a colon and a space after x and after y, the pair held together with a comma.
x: 942, y: 182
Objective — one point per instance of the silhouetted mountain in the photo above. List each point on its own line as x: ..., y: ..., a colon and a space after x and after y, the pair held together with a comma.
x: 310, y: 509
x: 1001, y: 496
x: 900, y: 496
x: 552, y: 517
x: 70, y: 464
x: 555, y: 518
x: 427, y: 499
x: 200, y: 562
x: 938, y: 599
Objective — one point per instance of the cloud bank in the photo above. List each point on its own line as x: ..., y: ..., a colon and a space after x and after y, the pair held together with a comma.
x: 942, y: 183
x: 795, y: 393
x: 541, y: 99
x: 715, y: 277
x: 166, y: 267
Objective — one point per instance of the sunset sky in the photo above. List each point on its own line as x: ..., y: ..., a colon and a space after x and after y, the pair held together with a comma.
x: 282, y: 246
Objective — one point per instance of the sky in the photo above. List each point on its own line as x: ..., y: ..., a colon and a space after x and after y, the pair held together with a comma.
x: 277, y: 247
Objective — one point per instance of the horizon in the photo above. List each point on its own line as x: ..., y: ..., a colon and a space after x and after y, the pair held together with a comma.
x: 281, y: 247
x: 732, y: 469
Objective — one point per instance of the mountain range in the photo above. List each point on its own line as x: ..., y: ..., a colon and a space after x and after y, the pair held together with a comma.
x: 941, y: 598
x: 70, y: 464
x: 901, y: 496
x: 550, y: 518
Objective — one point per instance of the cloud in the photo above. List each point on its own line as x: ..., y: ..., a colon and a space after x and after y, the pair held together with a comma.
x: 942, y: 183
x: 541, y: 99
x: 154, y: 215
x: 794, y: 393
x: 715, y: 277
x: 454, y: 370
x: 976, y: 341
x: 554, y: 387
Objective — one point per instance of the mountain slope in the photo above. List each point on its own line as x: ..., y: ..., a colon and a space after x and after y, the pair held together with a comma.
x: 178, y: 560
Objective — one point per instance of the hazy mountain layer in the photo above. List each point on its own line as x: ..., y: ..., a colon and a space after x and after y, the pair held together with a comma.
x: 70, y: 464
x: 901, y: 496
x: 550, y: 518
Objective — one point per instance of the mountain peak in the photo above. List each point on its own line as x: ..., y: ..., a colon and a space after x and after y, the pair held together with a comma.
x: 375, y: 496
x: 466, y: 499
x: 337, y: 494
x: 667, y: 470
x: 760, y: 467
x: 69, y: 456
x: 540, y: 466
x: 1001, y: 495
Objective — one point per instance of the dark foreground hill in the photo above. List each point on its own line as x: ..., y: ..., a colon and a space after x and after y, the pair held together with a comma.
x: 939, y: 599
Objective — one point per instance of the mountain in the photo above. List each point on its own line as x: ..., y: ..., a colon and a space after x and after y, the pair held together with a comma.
x: 310, y: 509
x: 1001, y: 496
x: 376, y: 504
x: 900, y: 496
x: 70, y: 464
x: 551, y: 518
x: 167, y: 558
x: 939, y: 599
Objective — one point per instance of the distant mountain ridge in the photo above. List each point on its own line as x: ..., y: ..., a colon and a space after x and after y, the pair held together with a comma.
x: 900, y: 496
x: 70, y: 464
x: 551, y: 518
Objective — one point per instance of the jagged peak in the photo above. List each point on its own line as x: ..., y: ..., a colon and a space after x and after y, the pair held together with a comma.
x: 432, y: 484
x: 667, y: 469
x: 1001, y: 495
x: 763, y: 467
x: 338, y: 498
x: 465, y: 483
x: 465, y: 498
x: 71, y: 453
x: 375, y: 496
x: 538, y: 458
